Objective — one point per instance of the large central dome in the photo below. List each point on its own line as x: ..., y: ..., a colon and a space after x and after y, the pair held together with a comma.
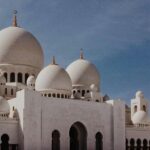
x: 19, y: 47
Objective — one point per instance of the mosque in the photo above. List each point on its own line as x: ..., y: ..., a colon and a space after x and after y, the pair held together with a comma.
x: 53, y: 108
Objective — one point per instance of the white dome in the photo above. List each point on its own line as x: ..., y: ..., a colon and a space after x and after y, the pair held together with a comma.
x: 82, y: 72
x: 53, y: 77
x: 139, y: 117
x: 4, y: 106
x: 139, y: 94
x: 31, y: 80
x: 20, y: 47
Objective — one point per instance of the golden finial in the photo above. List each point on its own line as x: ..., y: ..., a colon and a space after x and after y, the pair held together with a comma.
x: 14, y: 22
x: 53, y: 61
x: 81, y: 53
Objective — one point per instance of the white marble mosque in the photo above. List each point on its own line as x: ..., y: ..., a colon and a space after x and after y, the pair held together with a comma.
x: 52, y: 108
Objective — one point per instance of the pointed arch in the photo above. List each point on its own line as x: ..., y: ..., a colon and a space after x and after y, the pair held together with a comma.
x: 138, y: 143
x: 12, y: 77
x: 78, y: 136
x: 55, y: 140
x: 19, y: 77
x: 135, y: 108
x: 99, y: 141
x: 5, y: 142
x: 132, y: 142
x: 83, y: 93
x: 145, y: 144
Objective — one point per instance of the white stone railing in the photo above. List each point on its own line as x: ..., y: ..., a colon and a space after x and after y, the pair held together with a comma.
x: 138, y: 126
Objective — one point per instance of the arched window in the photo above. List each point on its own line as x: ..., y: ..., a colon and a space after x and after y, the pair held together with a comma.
x: 54, y: 95
x: 6, y: 91
x: 145, y: 147
x: 58, y: 95
x: 5, y: 140
x: 135, y: 108
x: 144, y: 108
x: 19, y: 77
x: 83, y: 93
x: 132, y: 142
x: 138, y: 143
x: 49, y: 95
x: 55, y: 140
x: 12, y: 92
x: 62, y: 95
x: 12, y: 77
x: 65, y: 96
x: 5, y: 75
x: 99, y: 141
x: 26, y: 77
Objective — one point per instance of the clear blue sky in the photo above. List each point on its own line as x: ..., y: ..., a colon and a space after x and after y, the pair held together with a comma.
x: 115, y: 36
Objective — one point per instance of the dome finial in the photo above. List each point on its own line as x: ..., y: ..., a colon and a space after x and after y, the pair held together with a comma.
x: 53, y: 61
x: 14, y: 22
x: 81, y: 53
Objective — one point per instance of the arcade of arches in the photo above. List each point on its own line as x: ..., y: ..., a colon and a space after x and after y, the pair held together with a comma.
x: 139, y: 144
x: 16, y: 77
x: 78, y: 138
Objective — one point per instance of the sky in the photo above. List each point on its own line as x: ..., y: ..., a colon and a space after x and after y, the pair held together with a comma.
x: 114, y: 35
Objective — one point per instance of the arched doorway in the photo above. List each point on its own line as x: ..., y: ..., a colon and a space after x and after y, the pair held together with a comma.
x: 55, y: 140
x: 78, y: 137
x: 5, y: 140
x: 99, y: 141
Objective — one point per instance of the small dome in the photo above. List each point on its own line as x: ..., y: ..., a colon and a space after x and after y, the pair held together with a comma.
x: 139, y: 94
x: 4, y: 106
x: 53, y: 77
x: 84, y: 73
x: 139, y: 117
x: 31, y: 80
x: 19, y: 47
